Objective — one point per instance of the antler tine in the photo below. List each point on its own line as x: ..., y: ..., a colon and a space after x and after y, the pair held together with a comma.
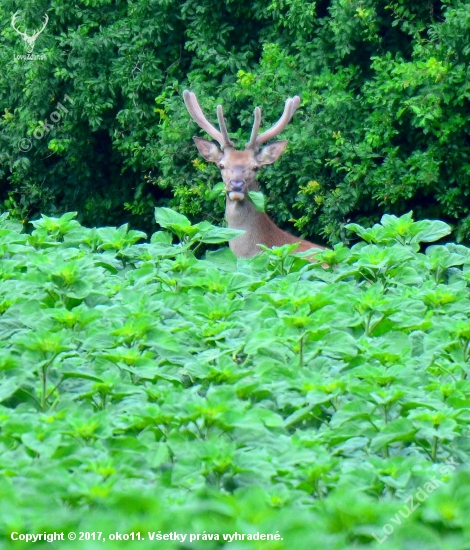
x: 254, y: 132
x: 289, y: 110
x: 37, y: 33
x: 223, y: 128
x: 13, y: 21
x: 46, y: 19
x: 199, y: 117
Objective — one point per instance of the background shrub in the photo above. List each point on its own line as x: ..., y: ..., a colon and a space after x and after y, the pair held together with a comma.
x: 383, y: 124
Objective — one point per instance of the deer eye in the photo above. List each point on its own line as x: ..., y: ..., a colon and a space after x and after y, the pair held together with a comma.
x: 255, y: 168
x: 221, y: 166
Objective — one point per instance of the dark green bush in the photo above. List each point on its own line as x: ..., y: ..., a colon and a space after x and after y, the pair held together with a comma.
x: 383, y: 124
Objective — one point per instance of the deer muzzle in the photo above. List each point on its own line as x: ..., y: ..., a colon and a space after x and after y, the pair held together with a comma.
x: 236, y: 191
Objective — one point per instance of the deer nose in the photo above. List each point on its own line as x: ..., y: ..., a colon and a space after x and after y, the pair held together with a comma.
x: 237, y: 185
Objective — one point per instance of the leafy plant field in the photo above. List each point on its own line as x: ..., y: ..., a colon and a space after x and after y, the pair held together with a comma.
x: 147, y: 391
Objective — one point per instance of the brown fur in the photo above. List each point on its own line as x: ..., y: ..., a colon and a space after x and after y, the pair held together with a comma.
x: 241, y: 166
x: 259, y: 229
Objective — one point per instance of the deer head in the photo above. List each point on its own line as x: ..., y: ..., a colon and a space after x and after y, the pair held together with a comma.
x: 30, y: 40
x: 238, y: 168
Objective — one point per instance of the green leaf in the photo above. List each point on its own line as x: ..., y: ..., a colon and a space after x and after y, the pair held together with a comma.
x: 211, y: 234
x: 166, y: 217
x: 257, y: 198
x: 217, y: 191
x: 428, y: 231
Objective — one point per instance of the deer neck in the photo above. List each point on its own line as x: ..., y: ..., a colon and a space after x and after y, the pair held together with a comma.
x: 242, y: 214
x: 257, y: 226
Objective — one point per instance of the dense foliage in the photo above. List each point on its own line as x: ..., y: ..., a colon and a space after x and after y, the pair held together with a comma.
x: 383, y: 125
x: 143, y: 389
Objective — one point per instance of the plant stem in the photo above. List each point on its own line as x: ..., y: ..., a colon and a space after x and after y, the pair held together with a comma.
x: 301, y: 351
x: 44, y: 384
x: 434, y: 448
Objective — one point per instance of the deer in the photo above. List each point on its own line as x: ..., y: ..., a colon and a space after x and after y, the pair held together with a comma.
x: 239, y: 169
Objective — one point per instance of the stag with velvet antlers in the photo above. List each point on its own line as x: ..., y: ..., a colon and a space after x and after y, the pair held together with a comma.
x: 238, y: 169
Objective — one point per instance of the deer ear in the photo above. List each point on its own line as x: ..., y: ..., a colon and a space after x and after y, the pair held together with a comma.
x: 271, y: 153
x: 208, y: 149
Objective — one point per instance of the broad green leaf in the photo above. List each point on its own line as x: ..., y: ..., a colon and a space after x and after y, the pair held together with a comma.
x: 257, y: 198
x: 166, y: 217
